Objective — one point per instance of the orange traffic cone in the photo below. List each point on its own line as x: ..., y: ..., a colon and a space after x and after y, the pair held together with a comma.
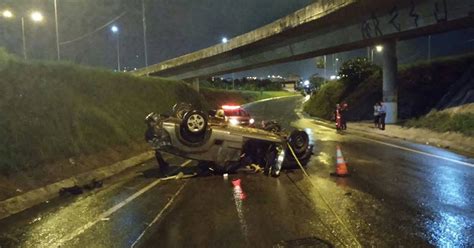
x: 341, y: 167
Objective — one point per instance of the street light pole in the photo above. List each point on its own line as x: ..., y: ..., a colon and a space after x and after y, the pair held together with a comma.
x: 325, y: 69
x: 115, y: 30
x: 233, y: 83
x: 35, y: 17
x: 144, y: 33
x: 23, y: 37
x: 57, y: 29
x: 118, y: 51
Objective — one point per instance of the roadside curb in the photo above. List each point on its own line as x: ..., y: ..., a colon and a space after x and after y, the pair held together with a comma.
x: 431, y: 141
x: 34, y: 197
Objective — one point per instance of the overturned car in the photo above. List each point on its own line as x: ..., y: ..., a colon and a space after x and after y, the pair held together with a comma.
x: 193, y: 134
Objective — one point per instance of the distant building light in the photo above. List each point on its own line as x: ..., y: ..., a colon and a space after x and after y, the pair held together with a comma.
x: 332, y: 77
x: 379, y: 48
x: 224, y: 40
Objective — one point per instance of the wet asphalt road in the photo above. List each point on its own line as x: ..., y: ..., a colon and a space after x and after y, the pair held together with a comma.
x: 398, y: 195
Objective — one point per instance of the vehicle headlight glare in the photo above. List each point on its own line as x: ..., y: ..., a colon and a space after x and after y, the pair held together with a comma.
x: 233, y: 121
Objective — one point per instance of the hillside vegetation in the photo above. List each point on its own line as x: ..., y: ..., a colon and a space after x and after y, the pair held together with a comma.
x: 459, y: 119
x: 52, y: 111
x: 422, y: 87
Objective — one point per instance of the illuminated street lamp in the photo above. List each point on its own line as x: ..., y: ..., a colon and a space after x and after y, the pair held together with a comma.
x: 35, y: 16
x: 224, y: 40
x: 115, y: 30
x: 7, y: 14
x: 378, y: 48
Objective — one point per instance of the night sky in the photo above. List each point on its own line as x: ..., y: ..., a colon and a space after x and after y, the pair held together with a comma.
x: 175, y: 27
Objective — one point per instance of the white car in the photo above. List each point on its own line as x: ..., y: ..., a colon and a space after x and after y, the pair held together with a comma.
x: 191, y: 134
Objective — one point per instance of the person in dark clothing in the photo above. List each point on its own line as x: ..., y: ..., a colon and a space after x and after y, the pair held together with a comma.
x: 377, y: 115
x: 383, y: 114
x: 343, y: 113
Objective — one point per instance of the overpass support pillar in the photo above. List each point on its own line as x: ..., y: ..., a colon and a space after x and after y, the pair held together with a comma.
x: 195, y: 84
x: 390, y: 85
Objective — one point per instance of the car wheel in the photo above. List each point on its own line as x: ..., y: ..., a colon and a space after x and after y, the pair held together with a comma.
x: 180, y: 109
x: 272, y: 127
x: 195, y: 121
x: 299, y: 142
x: 194, y: 126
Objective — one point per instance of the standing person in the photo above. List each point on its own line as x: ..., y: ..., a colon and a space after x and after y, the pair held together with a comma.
x: 383, y: 114
x: 337, y: 116
x: 377, y: 115
x: 343, y: 113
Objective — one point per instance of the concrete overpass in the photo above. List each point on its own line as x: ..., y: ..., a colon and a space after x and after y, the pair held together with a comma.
x: 325, y: 27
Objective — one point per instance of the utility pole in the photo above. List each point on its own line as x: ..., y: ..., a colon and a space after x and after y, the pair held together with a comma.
x: 24, y: 38
x: 144, y: 33
x: 325, y: 68
x: 118, y: 52
x: 57, y: 28
x: 233, y: 78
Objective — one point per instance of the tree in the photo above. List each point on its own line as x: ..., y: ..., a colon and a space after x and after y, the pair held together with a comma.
x: 316, y: 80
x: 320, y: 63
x: 356, y: 70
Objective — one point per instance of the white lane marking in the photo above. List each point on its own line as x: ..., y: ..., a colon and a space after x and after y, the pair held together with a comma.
x: 109, y: 212
x: 159, y: 214
x: 420, y: 152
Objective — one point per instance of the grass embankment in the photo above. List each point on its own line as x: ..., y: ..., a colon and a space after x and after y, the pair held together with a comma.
x: 421, y: 87
x: 449, y: 120
x: 217, y: 97
x: 51, y: 112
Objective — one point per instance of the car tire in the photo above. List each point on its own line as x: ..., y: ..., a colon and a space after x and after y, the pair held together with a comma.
x: 299, y: 142
x: 272, y: 127
x: 180, y: 109
x: 194, y: 126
